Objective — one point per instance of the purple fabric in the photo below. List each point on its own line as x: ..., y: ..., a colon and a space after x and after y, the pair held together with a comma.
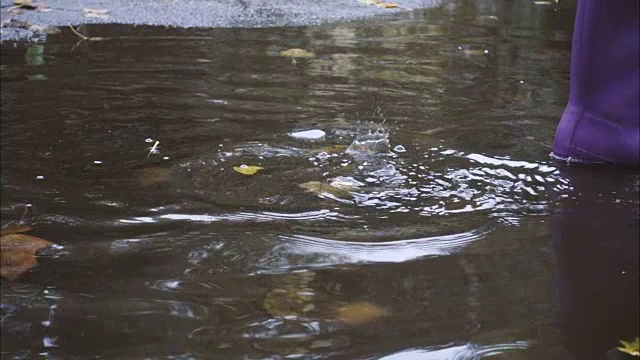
x: 602, y: 120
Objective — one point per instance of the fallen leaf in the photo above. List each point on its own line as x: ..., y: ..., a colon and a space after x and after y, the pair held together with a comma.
x: 17, y: 254
x: 361, y: 312
x: 153, y: 176
x: 96, y: 13
x: 387, y: 5
x: 297, y: 53
x: 247, y: 169
x: 630, y: 347
x: 26, y: 4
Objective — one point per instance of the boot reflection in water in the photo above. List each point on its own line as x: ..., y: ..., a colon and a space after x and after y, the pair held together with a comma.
x: 601, y: 122
x: 595, y: 241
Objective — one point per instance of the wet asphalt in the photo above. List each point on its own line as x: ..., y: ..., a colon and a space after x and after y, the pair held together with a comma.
x: 28, y: 25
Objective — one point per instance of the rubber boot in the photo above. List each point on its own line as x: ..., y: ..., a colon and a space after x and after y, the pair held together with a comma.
x: 602, y: 120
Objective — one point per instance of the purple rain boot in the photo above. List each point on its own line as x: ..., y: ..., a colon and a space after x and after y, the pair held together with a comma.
x: 602, y: 120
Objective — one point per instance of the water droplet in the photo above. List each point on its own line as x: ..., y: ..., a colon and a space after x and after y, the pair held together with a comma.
x: 399, y: 148
x: 313, y: 134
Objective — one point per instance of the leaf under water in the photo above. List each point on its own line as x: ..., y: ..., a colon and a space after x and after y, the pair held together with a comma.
x: 361, y: 312
x: 14, y: 228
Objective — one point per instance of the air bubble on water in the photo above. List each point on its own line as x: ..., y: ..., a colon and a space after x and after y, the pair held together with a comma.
x: 322, y: 156
x: 165, y: 158
x: 486, y: 51
x: 148, y: 140
x: 399, y: 148
x: 40, y: 177
x: 97, y: 162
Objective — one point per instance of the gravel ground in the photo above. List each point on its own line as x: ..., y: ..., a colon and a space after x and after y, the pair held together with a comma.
x: 189, y: 13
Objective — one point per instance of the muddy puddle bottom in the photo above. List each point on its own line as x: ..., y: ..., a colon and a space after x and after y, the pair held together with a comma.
x: 384, y: 194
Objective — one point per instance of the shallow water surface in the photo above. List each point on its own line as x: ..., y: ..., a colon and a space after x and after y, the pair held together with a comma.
x: 422, y: 218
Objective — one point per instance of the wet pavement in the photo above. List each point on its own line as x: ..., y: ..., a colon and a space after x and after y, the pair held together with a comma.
x: 192, y: 13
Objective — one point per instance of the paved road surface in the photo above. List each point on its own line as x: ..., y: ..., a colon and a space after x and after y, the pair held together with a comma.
x: 197, y: 13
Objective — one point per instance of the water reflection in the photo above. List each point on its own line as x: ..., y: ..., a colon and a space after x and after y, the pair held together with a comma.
x: 596, y: 231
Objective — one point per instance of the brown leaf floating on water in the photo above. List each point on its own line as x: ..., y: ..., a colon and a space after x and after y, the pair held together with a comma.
x: 17, y: 254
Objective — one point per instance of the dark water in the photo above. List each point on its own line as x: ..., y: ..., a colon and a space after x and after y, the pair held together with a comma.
x: 462, y: 240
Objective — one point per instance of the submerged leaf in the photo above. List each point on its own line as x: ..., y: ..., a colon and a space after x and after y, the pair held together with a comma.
x: 630, y: 347
x: 340, y: 187
x: 297, y: 53
x: 247, y: 169
x: 320, y: 188
x: 361, y: 313
x: 14, y: 228
x: 17, y: 254
x: 153, y: 176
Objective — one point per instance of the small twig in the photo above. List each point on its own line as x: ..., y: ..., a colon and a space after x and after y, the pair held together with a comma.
x: 153, y: 148
x: 84, y: 37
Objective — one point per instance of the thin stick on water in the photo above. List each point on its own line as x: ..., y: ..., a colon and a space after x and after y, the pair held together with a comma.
x: 84, y: 37
x: 153, y: 148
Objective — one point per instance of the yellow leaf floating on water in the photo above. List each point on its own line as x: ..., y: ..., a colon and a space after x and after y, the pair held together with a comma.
x: 361, y: 312
x: 247, y: 169
x: 630, y: 347
x: 17, y: 254
x: 297, y: 53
